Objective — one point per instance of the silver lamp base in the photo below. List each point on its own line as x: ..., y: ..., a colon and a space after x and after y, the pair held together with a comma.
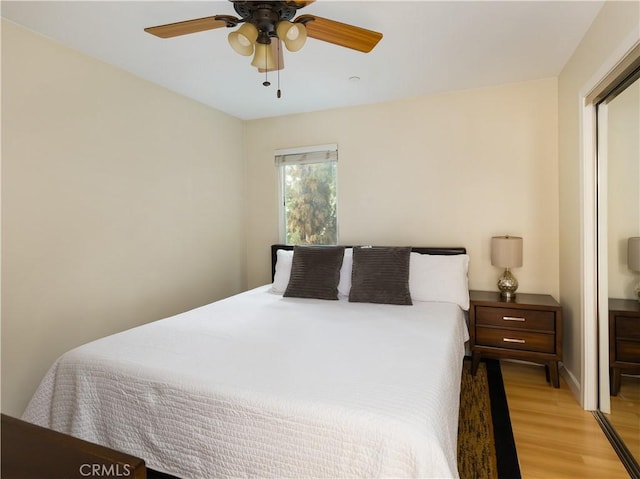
x: 507, y: 284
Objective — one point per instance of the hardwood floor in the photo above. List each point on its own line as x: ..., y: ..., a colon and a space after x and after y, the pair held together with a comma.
x: 555, y: 437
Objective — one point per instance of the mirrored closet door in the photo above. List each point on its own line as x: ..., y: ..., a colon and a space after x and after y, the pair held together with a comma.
x: 618, y: 122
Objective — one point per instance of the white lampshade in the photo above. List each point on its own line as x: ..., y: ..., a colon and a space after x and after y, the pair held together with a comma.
x: 633, y: 253
x: 243, y: 38
x: 263, y: 59
x: 506, y: 251
x: 293, y: 35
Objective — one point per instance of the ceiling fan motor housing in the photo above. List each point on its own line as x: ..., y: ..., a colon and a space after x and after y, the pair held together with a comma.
x: 265, y: 16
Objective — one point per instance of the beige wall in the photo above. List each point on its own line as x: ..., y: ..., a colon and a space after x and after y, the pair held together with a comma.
x: 448, y: 169
x: 121, y: 204
x: 616, y: 23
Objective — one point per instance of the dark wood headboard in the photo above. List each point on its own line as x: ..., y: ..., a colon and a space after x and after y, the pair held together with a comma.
x: 418, y: 249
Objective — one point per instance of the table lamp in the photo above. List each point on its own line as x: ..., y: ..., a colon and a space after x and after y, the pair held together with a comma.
x: 506, y: 252
x: 633, y: 259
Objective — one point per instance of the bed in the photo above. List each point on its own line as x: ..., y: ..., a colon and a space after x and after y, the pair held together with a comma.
x: 265, y: 384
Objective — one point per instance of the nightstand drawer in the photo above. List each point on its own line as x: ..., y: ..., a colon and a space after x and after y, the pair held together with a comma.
x: 516, y: 318
x: 628, y: 351
x: 513, y: 339
x: 627, y: 327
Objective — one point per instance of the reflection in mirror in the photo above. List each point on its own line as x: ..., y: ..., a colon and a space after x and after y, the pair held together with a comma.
x: 619, y: 220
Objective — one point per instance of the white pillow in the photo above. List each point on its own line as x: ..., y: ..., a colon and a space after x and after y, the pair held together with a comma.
x: 439, y: 278
x: 344, y: 286
x: 284, y: 260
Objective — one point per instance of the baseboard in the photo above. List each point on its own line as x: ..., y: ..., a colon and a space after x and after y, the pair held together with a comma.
x: 573, y: 383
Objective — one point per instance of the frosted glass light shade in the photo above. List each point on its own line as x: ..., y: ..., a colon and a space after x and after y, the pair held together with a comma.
x: 294, y: 35
x: 633, y: 253
x: 276, y: 51
x: 243, y: 38
x: 263, y: 59
x: 506, y: 251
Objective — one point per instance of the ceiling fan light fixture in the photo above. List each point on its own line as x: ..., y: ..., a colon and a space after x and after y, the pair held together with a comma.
x: 266, y: 24
x: 263, y: 58
x: 293, y: 35
x: 243, y: 38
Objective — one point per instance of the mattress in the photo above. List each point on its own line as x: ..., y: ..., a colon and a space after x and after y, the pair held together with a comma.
x: 257, y: 385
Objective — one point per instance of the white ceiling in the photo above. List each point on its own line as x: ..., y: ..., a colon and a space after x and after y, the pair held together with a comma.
x: 428, y: 47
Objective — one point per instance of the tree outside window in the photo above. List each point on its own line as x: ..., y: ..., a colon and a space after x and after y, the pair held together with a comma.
x: 310, y: 209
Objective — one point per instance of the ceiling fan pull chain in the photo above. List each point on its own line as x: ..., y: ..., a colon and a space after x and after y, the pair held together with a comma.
x: 279, y: 93
x: 266, y: 81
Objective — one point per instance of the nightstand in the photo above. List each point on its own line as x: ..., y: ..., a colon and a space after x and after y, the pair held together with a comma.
x: 528, y: 327
x: 624, y: 339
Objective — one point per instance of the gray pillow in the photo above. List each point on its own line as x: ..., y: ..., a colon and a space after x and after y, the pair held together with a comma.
x: 315, y: 272
x: 380, y: 275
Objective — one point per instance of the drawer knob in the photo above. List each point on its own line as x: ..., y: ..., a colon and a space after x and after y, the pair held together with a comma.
x: 511, y: 340
x: 513, y: 318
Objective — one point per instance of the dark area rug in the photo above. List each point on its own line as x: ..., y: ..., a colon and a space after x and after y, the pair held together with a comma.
x: 486, y: 448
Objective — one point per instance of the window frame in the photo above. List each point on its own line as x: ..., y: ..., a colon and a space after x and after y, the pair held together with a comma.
x: 302, y: 155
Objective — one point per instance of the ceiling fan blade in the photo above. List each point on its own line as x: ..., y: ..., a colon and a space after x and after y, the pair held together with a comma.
x: 276, y: 44
x: 186, y: 27
x: 349, y: 36
x: 299, y: 3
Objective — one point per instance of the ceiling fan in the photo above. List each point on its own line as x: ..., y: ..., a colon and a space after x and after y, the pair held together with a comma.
x: 265, y: 25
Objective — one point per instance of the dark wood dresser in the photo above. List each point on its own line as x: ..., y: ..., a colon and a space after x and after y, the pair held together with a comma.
x: 624, y: 340
x: 34, y: 452
x: 528, y: 327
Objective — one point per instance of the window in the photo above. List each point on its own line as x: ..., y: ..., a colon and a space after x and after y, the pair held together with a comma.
x: 308, y: 184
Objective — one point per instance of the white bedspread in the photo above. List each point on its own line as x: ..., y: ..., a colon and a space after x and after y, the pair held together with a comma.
x: 258, y: 385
